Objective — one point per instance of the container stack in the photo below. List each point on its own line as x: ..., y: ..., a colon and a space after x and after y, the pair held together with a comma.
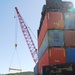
x: 51, y: 49
x: 69, y: 23
x: 56, y: 34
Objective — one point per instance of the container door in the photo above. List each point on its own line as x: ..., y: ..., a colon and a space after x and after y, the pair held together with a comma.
x: 55, y: 20
x: 68, y: 38
x: 73, y: 38
x: 70, y: 55
x: 69, y: 20
x: 56, y: 38
x: 57, y: 56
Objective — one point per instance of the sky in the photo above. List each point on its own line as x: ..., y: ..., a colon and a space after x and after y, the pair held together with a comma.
x: 30, y: 11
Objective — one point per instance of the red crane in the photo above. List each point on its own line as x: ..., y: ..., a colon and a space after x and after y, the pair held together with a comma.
x: 27, y: 37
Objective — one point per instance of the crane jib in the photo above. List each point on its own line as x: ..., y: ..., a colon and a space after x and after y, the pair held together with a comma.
x: 28, y: 37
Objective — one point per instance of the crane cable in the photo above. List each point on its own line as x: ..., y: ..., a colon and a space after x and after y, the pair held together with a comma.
x: 32, y: 33
x: 30, y: 30
x: 16, y: 31
x: 15, y: 51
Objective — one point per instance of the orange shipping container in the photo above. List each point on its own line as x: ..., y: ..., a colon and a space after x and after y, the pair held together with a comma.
x: 55, y: 20
x: 43, y: 31
x: 43, y: 61
x: 52, y: 20
x: 52, y: 56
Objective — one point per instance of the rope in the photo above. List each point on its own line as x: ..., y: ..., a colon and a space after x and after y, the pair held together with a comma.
x: 15, y: 51
x: 18, y: 58
x: 16, y: 31
x: 12, y: 58
x: 31, y: 31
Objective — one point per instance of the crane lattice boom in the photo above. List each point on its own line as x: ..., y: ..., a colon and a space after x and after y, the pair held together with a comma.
x: 27, y: 37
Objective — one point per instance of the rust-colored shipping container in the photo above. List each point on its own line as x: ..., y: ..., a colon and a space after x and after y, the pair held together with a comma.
x: 52, y: 20
x: 42, y: 31
x: 57, y: 56
x: 73, y: 38
x: 55, y: 20
x: 52, y: 56
x: 53, y: 38
x: 70, y: 38
x: 44, y: 61
x: 67, y: 38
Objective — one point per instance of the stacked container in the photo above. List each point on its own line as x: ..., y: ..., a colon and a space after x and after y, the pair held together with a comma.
x: 69, y: 25
x: 52, y: 56
x: 51, y: 49
x: 56, y: 35
x: 52, y: 21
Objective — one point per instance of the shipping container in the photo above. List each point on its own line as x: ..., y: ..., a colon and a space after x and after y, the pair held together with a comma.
x: 73, y: 38
x: 53, y: 38
x: 57, y: 56
x: 56, y: 42
x: 52, y: 20
x: 67, y: 4
x: 42, y: 31
x: 36, y: 69
x: 55, y: 20
x: 69, y: 38
x: 54, y: 4
x: 56, y: 38
x: 43, y: 46
x: 43, y: 61
x: 52, y: 56
x: 70, y: 55
x: 69, y: 20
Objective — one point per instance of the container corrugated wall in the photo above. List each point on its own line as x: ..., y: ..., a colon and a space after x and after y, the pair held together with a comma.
x: 52, y: 38
x: 57, y: 56
x: 43, y: 46
x: 70, y: 55
x: 43, y: 31
x: 43, y: 61
x: 69, y: 20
